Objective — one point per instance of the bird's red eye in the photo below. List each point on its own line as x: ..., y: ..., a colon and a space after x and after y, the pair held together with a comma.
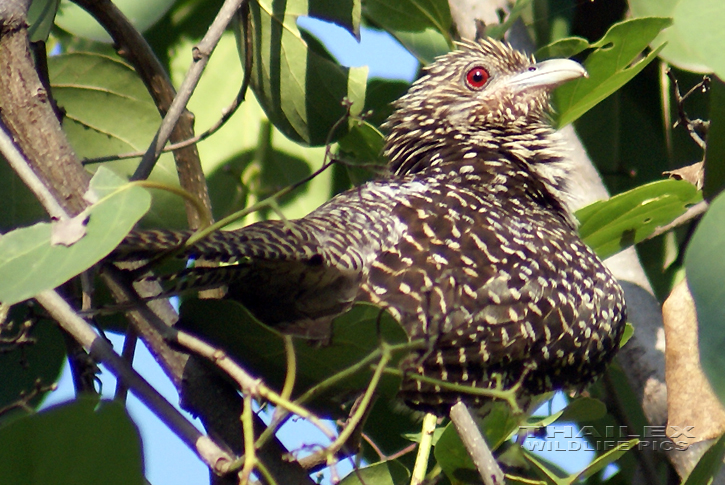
x: 477, y: 77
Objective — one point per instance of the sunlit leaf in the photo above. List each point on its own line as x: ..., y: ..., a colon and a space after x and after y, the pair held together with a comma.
x: 612, y: 225
x: 616, y: 60
x: 627, y: 334
x: 29, y: 263
x: 409, y: 15
x: 108, y: 111
x: 600, y: 462
x: 583, y: 409
x: 301, y: 91
x: 701, y: 25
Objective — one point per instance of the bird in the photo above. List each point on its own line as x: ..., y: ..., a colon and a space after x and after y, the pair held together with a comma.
x: 468, y: 240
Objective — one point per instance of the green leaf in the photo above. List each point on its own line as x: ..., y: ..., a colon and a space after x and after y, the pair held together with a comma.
x: 261, y: 348
x: 602, y: 461
x: 628, y: 332
x: 29, y: 263
x: 715, y: 152
x: 425, y: 45
x: 75, y: 443
x: 612, y: 225
x: 709, y: 465
x: 246, y: 160
x: 705, y: 269
x: 453, y: 458
x: 691, y: 43
x: 567, y: 47
x: 616, y: 60
x: 598, y: 464
x: 301, y: 92
x: 41, y: 16
x: 701, y: 25
x: 41, y: 360
x: 108, y: 111
x: 410, y: 15
x: 583, y: 409
x: 383, y: 473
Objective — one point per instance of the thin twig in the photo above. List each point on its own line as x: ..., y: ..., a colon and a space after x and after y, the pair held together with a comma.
x: 20, y: 165
x: 476, y: 445
x: 249, y: 451
x: 248, y: 384
x: 201, y: 53
x: 24, y: 399
x: 691, y: 126
x: 290, y: 376
x: 209, y: 452
x: 426, y: 442
x: 508, y: 395
x: 357, y: 416
x: 128, y: 351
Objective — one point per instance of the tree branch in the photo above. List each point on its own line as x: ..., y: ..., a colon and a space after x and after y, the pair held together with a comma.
x: 131, y: 45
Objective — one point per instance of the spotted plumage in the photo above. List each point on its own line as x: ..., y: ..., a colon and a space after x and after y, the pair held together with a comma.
x: 468, y: 240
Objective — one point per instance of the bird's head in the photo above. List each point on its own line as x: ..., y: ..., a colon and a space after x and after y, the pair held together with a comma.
x: 479, y: 94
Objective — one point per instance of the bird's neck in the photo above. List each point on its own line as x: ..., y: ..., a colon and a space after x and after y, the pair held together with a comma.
x: 533, y: 150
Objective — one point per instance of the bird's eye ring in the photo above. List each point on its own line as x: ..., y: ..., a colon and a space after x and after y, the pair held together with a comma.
x: 477, y: 77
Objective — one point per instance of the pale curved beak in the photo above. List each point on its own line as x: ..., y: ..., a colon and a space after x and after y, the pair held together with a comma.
x: 548, y: 74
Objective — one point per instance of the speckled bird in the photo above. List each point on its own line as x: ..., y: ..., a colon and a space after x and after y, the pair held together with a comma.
x: 468, y: 240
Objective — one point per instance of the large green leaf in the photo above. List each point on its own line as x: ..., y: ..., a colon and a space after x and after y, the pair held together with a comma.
x: 76, y: 443
x: 693, y: 41
x: 300, y: 90
x: 705, y: 269
x: 108, y: 111
x: 261, y: 349
x: 609, y: 226
x: 701, y: 24
x: 30, y: 263
x: 616, y: 60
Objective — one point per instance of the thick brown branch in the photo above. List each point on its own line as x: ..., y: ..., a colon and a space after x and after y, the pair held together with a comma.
x: 27, y: 113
